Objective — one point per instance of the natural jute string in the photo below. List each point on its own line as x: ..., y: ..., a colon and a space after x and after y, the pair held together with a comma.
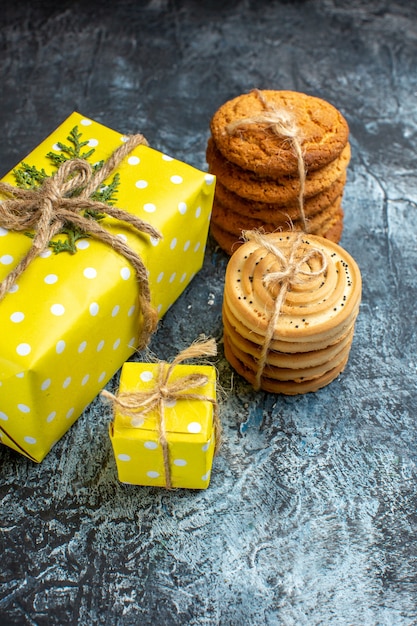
x: 48, y: 208
x: 281, y: 122
x: 292, y: 273
x: 137, y: 404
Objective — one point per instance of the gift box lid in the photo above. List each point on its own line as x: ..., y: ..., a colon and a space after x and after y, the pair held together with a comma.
x: 185, y: 418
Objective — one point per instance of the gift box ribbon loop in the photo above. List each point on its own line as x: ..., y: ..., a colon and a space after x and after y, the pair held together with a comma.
x: 59, y: 202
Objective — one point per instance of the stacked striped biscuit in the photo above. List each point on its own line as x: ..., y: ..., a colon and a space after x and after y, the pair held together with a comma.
x: 257, y: 166
x: 289, y: 309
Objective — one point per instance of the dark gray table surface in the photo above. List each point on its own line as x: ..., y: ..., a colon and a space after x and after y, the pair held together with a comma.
x: 310, y: 517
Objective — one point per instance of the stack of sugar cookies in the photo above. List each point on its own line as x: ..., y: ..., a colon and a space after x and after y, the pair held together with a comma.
x: 280, y: 159
x: 289, y: 309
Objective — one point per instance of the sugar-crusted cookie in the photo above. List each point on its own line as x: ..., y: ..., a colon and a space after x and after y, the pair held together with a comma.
x: 327, y: 228
x: 229, y: 241
x: 280, y: 159
x: 269, y: 211
x: 234, y: 222
x: 283, y: 190
x: 332, y: 229
x: 244, y: 131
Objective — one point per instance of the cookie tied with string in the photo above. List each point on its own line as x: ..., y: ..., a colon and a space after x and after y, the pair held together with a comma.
x: 289, y: 310
x: 243, y: 130
x: 280, y: 158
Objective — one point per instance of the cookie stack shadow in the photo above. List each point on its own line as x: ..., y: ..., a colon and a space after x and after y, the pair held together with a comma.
x: 305, y: 344
x: 257, y: 170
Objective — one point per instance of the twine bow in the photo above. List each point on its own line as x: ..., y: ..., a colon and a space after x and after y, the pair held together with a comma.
x: 292, y: 273
x: 282, y: 124
x: 58, y: 202
x: 137, y: 404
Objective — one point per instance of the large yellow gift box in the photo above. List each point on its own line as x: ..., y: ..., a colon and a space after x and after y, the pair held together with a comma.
x: 72, y: 319
x: 189, y: 430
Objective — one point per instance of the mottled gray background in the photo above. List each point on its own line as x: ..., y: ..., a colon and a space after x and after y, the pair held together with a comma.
x: 311, y: 514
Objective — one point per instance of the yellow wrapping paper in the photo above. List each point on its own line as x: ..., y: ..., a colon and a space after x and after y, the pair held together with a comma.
x: 189, y: 426
x: 71, y: 321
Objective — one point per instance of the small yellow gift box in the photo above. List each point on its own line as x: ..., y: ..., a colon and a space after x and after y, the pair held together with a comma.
x: 73, y: 318
x: 166, y: 427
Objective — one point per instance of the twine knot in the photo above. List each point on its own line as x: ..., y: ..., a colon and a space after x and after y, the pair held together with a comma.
x: 281, y: 123
x: 71, y: 174
x: 58, y: 202
x: 294, y: 271
x: 136, y: 405
x: 289, y: 272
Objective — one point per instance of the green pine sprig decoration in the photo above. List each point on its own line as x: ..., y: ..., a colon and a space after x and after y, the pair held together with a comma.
x: 67, y: 244
x: 72, y: 151
x: 30, y: 177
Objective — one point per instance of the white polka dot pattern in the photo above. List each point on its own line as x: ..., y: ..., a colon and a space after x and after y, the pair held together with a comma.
x: 67, y: 309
